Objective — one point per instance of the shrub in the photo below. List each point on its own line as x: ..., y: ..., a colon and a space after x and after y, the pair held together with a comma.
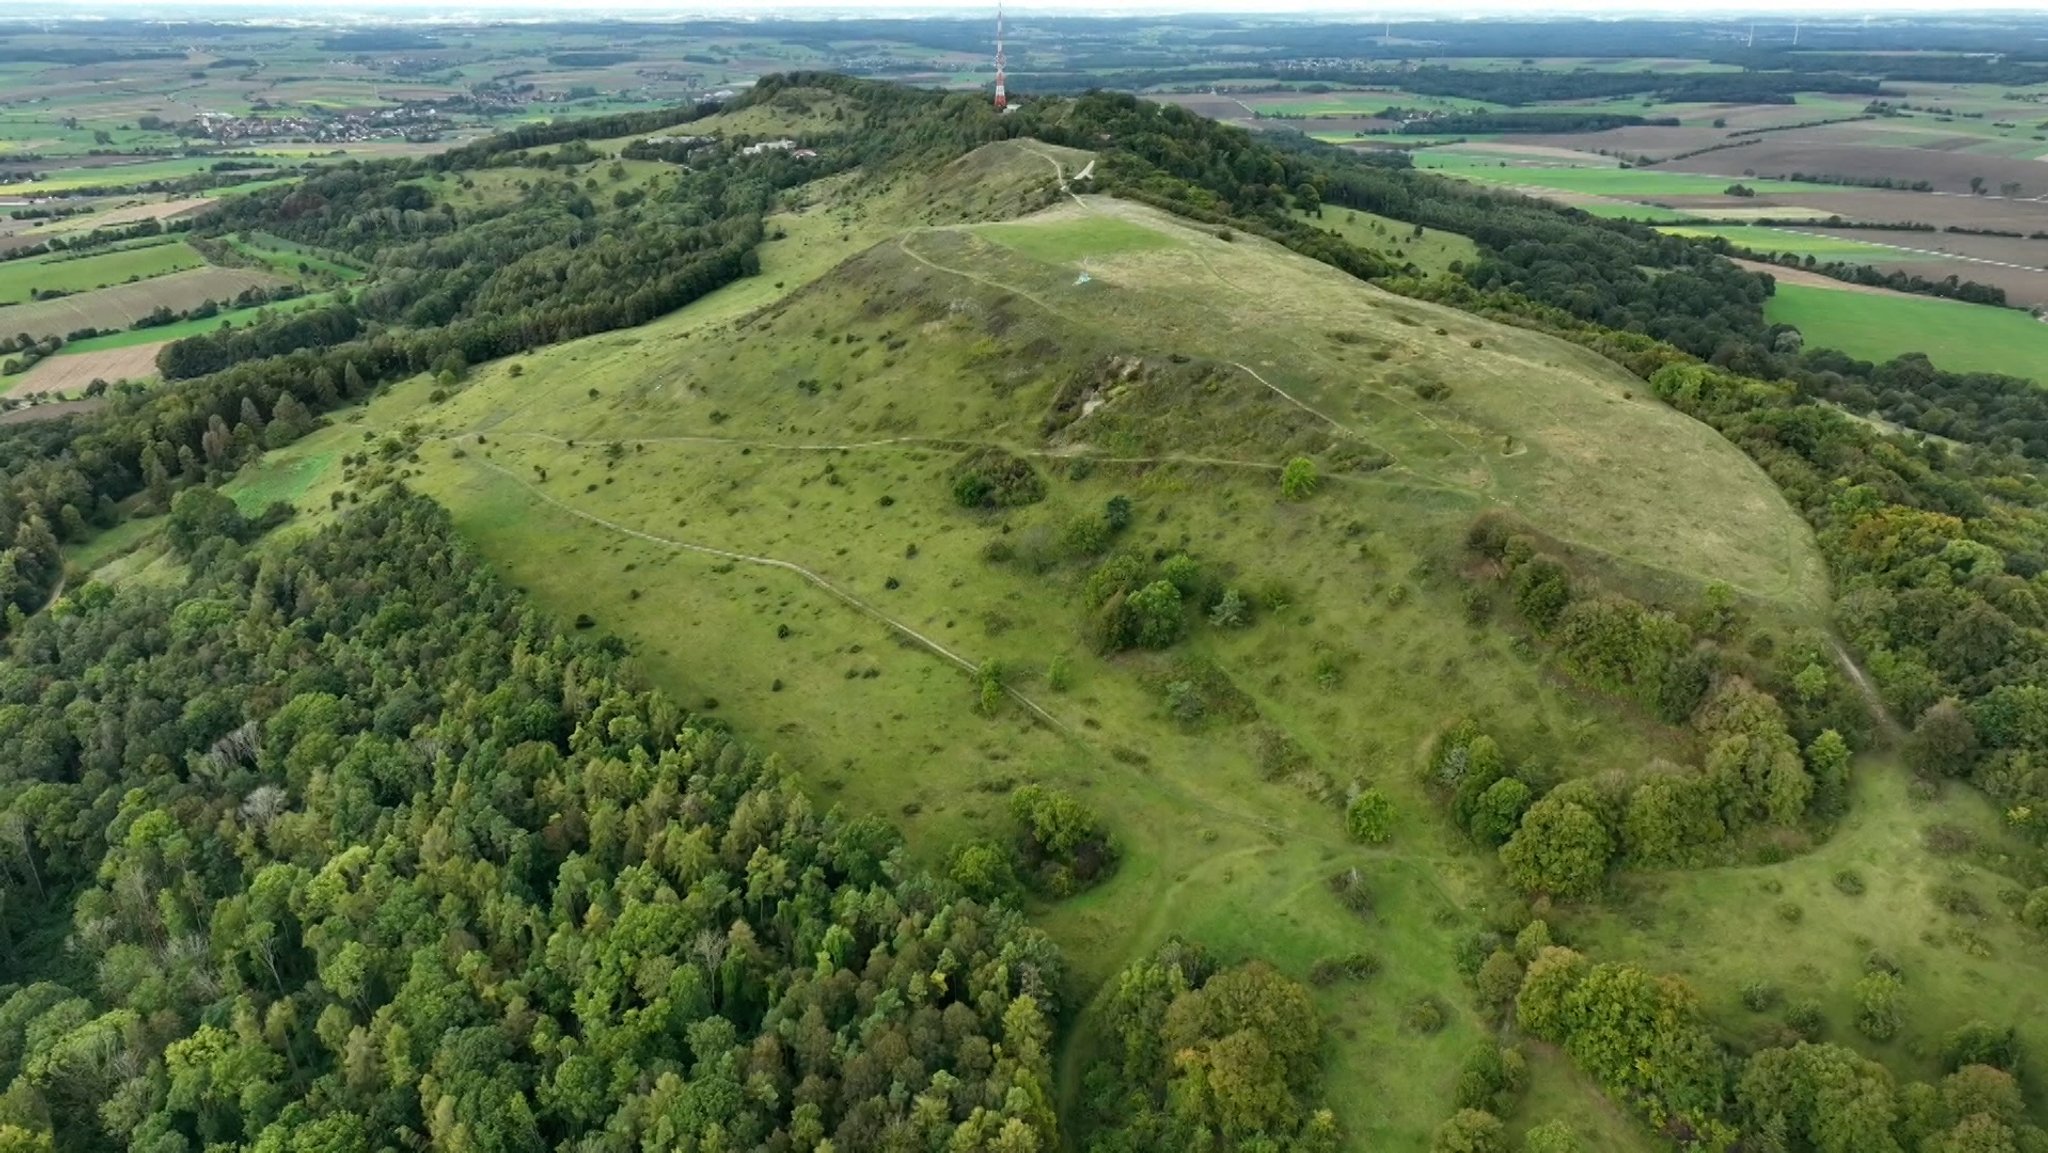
x: 1061, y: 842
x: 2034, y: 913
x: 993, y: 478
x: 1805, y: 1019
x: 1156, y: 614
x: 1298, y: 480
x: 1849, y: 881
x: 1425, y: 1015
x: 1232, y: 611
x: 1350, y: 967
x: 1369, y: 817
x: 985, y: 871
x: 1946, y: 840
x: 1958, y: 901
x: 1759, y: 996
x: 1877, y: 1006
x: 1981, y: 1043
x: 1491, y: 1079
x: 1551, y: 1137
x: 1352, y: 891
x: 1470, y: 1131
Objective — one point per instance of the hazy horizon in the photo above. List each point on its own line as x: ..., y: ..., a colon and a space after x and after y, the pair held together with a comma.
x: 1321, y: 9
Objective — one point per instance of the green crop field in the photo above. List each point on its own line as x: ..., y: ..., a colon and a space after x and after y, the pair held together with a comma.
x: 1603, y: 180
x: 1824, y: 248
x: 231, y: 318
x: 62, y: 272
x: 1964, y: 337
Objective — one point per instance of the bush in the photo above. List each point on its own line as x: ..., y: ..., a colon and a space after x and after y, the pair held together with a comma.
x: 1981, y: 1043
x: 1877, y: 1006
x: 1350, y: 967
x: 1805, y: 1019
x: 1298, y: 480
x: 1369, y: 817
x: 2034, y: 913
x: 1156, y: 614
x: 1232, y: 611
x: 1551, y: 1137
x: 993, y: 478
x: 1352, y: 892
x: 1061, y: 842
x: 1759, y: 996
x: 1491, y: 1079
x: 1849, y: 881
x: 1425, y: 1015
x: 984, y: 871
x: 1470, y: 1131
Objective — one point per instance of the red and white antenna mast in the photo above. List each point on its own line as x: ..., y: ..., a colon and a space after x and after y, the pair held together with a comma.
x: 1002, y: 96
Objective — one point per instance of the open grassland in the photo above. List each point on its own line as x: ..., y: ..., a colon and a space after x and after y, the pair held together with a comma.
x: 291, y: 259
x: 65, y: 272
x: 1894, y: 887
x: 1429, y: 250
x: 124, y: 304
x: 1957, y: 336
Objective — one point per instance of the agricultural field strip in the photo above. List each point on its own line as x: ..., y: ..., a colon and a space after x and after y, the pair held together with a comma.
x: 1916, y: 251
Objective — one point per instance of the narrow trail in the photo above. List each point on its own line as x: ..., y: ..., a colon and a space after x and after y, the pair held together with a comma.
x: 56, y: 594
x: 1885, y: 721
x: 857, y: 604
x: 945, y: 443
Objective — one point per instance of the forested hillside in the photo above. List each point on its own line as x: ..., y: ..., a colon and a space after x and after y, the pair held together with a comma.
x: 348, y: 849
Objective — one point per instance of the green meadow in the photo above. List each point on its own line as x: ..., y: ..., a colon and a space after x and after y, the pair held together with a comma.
x: 65, y: 273
x: 1874, y: 326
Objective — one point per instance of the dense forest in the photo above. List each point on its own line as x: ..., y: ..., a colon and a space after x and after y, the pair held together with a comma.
x: 352, y: 849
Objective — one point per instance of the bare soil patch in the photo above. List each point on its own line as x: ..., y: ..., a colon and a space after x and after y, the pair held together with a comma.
x: 63, y: 374
x: 29, y: 413
x: 1819, y: 153
x: 1785, y: 275
x: 131, y: 213
x: 123, y: 304
x: 1644, y: 140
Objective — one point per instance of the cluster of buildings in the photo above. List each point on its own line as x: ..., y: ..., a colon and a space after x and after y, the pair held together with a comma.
x: 406, y: 122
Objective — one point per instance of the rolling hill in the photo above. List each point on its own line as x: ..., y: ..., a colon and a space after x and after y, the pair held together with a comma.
x: 755, y: 494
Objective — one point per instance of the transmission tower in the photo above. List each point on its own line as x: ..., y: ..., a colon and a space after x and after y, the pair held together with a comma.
x: 1002, y: 95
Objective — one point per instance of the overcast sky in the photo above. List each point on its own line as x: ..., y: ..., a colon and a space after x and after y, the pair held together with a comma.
x: 430, y: 9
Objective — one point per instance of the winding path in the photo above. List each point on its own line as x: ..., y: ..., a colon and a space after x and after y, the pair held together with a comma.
x: 840, y: 594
